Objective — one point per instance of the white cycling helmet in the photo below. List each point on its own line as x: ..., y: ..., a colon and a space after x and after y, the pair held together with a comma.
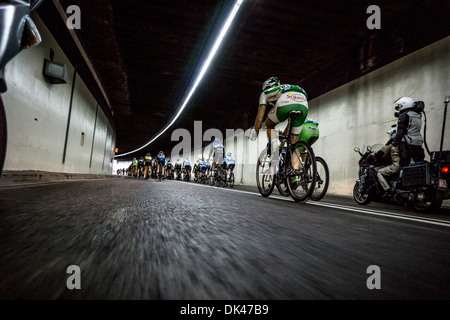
x: 404, y: 103
x: 270, y: 83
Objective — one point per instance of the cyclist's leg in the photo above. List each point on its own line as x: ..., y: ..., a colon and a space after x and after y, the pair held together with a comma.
x: 282, y: 113
x: 271, y: 121
x: 296, y: 134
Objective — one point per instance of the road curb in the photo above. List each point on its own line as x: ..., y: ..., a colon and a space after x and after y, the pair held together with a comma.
x: 14, y: 177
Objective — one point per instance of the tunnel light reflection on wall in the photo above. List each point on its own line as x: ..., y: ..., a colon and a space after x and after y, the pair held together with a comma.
x: 203, y: 70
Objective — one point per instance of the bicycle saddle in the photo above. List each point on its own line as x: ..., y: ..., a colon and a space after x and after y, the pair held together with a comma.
x: 295, y: 114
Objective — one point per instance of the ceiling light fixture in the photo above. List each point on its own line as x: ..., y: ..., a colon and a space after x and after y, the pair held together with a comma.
x: 205, y: 66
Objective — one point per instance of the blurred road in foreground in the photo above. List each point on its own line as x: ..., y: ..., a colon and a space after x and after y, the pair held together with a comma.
x: 144, y: 239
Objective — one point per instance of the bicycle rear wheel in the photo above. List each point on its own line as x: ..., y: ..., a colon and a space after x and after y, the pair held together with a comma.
x: 263, y: 177
x: 301, y: 181
x: 322, y: 180
x: 231, y: 180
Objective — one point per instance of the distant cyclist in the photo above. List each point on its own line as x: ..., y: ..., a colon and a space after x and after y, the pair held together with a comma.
x: 134, y: 167
x: 208, y: 167
x: 202, y: 165
x: 161, y: 158
x: 169, y: 167
x: 216, y: 153
x: 141, y: 166
x: 148, y: 164
x: 187, y: 168
x: 196, y: 169
x: 310, y: 131
x: 178, y: 168
x: 230, y: 162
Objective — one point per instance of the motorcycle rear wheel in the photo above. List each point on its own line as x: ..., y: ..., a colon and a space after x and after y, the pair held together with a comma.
x: 360, y: 197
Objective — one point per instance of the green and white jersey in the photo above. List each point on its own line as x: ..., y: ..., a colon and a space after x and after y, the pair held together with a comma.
x: 291, y: 93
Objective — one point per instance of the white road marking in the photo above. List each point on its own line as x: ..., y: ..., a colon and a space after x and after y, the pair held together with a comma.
x: 343, y: 207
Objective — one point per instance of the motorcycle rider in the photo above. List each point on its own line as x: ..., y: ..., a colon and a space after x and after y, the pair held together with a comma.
x: 391, y: 169
x: 408, y: 139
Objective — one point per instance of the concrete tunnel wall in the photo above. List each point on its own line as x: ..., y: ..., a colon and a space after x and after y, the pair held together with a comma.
x: 37, y: 115
x: 360, y: 113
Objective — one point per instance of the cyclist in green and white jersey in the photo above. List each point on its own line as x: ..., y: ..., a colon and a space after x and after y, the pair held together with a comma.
x: 283, y: 98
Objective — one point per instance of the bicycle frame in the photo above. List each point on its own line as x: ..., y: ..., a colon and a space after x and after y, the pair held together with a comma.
x: 302, y: 184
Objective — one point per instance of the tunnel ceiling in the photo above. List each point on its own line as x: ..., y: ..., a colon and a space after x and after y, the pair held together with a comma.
x: 146, y: 53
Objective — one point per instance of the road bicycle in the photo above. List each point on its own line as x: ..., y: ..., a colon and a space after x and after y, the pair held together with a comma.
x: 296, y: 171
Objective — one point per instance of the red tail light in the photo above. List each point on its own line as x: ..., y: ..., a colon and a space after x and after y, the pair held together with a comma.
x: 444, y: 169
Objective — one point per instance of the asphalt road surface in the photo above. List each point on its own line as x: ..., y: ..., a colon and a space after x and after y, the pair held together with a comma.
x: 144, y: 239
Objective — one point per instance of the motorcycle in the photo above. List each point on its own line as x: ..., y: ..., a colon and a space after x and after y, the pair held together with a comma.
x: 17, y: 32
x: 422, y: 185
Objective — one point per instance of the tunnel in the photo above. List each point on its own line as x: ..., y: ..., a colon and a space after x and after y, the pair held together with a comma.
x: 108, y: 83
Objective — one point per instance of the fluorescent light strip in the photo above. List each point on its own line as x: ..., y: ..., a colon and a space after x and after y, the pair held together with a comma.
x: 211, y: 55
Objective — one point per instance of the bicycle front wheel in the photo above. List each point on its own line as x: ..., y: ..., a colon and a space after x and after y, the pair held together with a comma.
x: 301, y: 171
x: 263, y: 176
x: 322, y: 180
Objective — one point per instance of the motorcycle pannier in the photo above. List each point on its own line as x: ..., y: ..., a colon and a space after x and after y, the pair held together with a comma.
x: 440, y: 156
x: 416, y: 175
